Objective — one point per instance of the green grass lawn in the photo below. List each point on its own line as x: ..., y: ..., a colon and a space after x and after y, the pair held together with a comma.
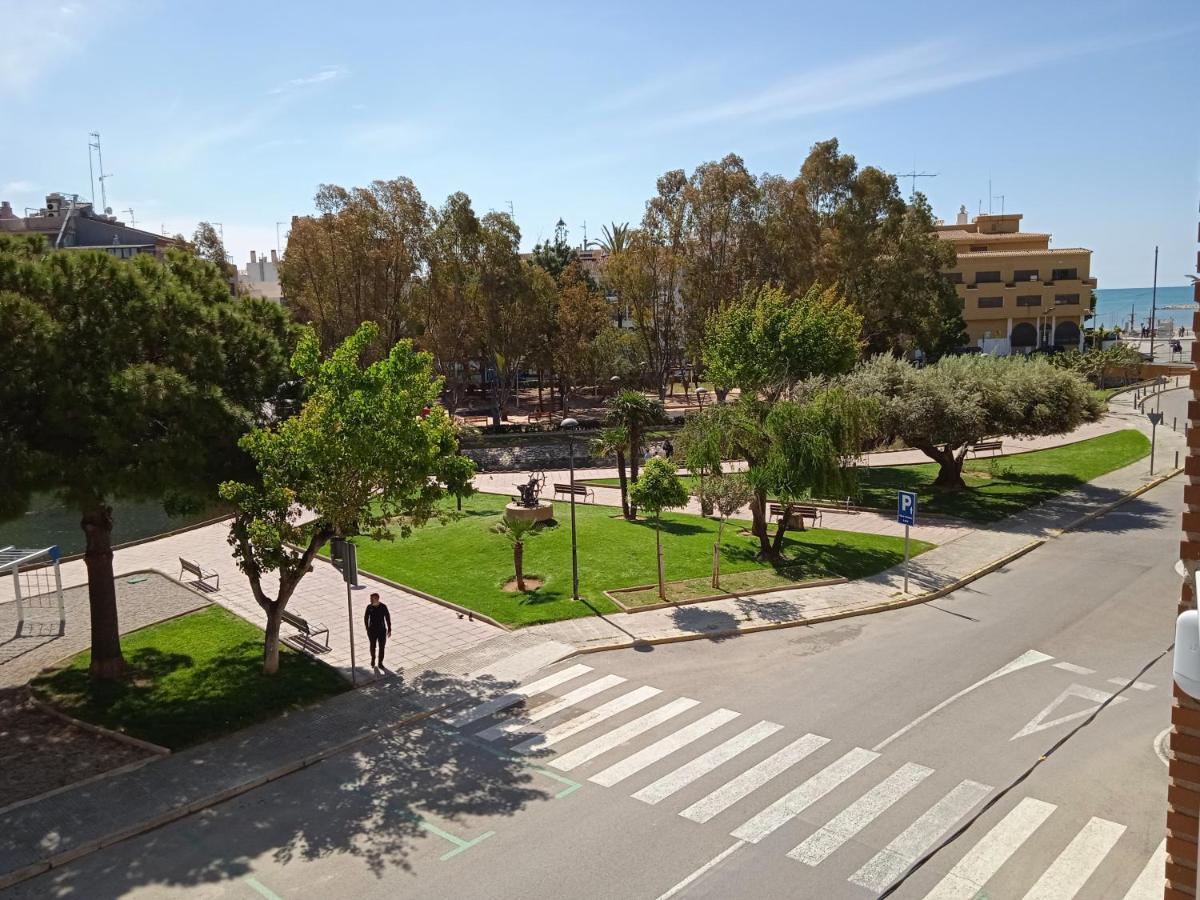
x: 466, y: 563
x: 191, y: 679
x: 999, y: 487
x: 733, y: 583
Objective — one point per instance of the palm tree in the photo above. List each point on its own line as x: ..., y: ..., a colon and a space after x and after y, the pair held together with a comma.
x: 615, y: 238
x: 517, y: 531
x: 613, y: 441
x: 635, y: 412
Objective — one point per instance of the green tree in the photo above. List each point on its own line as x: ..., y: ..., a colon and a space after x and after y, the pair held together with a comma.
x: 769, y: 341
x: 363, y: 456
x: 518, y: 531
x: 614, y: 441
x: 207, y: 243
x: 659, y: 488
x: 554, y: 256
x: 728, y: 494
x: 942, y: 409
x: 581, y: 315
x: 614, y: 237
x: 137, y: 378
x: 634, y: 412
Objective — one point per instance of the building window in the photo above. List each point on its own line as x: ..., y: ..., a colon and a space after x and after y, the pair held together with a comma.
x: 1065, y: 274
x: 1026, y: 275
x: 953, y: 277
x: 991, y: 302
x: 1066, y: 299
x: 1030, y: 300
x: 986, y: 277
x: 979, y: 248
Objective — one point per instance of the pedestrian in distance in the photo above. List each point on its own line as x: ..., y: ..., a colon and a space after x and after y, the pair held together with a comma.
x: 668, y: 448
x: 378, y: 622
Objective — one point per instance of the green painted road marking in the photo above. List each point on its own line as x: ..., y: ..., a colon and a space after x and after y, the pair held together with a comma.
x: 137, y: 579
x: 459, y: 844
x: 571, y: 786
x: 261, y: 888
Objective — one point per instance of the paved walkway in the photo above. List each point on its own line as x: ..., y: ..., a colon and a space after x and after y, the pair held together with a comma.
x: 421, y: 630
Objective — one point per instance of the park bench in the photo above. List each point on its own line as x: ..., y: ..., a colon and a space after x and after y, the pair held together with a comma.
x: 983, y: 446
x: 308, y: 629
x: 202, y: 574
x: 579, y: 490
x: 775, y: 511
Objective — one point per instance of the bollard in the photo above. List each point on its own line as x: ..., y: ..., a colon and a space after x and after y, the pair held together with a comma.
x: 1174, y: 423
x: 1177, y: 459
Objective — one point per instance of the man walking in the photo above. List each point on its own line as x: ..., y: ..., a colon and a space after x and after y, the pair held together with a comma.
x: 378, y: 622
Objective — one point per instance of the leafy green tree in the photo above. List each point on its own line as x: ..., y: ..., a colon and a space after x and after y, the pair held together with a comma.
x: 614, y: 237
x: 554, y: 256
x: 136, y: 379
x: 769, y: 341
x: 659, y: 488
x: 942, y: 409
x: 614, y: 441
x: 518, y: 531
x: 580, y: 314
x: 207, y: 243
x: 634, y: 412
x: 364, y: 455
x: 728, y: 493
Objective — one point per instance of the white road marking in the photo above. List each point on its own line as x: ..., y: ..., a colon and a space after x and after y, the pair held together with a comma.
x: 890, y: 862
x: 517, y: 695
x: 802, y: 797
x: 984, y: 860
x: 1040, y: 723
x: 753, y: 778
x: 1149, y: 884
x: 705, y: 763
x: 1071, y: 667
x: 622, y: 734
x: 1137, y: 685
x: 1026, y: 659
x: 715, y: 861
x: 551, y: 707
x: 1075, y: 865
x: 587, y: 720
x: 859, y: 814
x: 631, y: 765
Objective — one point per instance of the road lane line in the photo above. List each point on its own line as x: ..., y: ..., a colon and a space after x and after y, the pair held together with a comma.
x: 993, y: 850
x: 1071, y: 667
x: 1075, y: 865
x: 517, y: 695
x: 587, y: 720
x: 715, y: 861
x: 1026, y: 659
x: 551, y: 707
x: 803, y: 796
x: 753, y: 778
x: 631, y: 765
x: 622, y: 734
x: 1149, y: 884
x: 889, y: 863
x: 858, y: 815
x: 705, y: 763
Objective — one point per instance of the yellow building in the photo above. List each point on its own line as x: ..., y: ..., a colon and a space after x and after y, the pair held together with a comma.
x: 1017, y: 293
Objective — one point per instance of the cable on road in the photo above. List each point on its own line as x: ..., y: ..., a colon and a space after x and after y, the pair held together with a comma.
x: 966, y: 826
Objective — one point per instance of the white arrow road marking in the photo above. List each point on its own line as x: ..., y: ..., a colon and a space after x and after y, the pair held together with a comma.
x: 1041, y: 723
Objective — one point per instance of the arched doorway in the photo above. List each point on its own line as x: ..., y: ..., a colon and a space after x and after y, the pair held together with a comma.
x: 1066, y: 334
x: 1023, y: 337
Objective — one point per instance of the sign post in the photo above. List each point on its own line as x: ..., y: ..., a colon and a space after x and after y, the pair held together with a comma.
x: 906, y: 515
x: 1155, y: 420
x: 344, y: 555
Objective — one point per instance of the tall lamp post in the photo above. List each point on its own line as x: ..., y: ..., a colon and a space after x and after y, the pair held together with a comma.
x: 570, y: 425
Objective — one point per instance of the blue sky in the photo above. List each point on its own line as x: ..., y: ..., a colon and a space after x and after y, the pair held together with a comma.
x: 1083, y: 114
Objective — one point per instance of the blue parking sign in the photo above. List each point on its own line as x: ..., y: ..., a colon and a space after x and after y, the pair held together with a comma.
x: 906, y: 508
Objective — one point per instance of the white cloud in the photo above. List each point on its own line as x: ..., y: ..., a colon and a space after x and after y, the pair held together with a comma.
x: 40, y: 35
x: 326, y: 73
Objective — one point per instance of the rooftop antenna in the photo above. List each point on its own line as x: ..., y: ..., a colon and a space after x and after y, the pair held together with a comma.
x: 278, y: 249
x: 511, y: 214
x: 220, y: 230
x: 94, y: 144
x: 989, y: 195
x: 585, y: 234
x: 132, y: 220
x: 1001, y: 196
x: 914, y: 175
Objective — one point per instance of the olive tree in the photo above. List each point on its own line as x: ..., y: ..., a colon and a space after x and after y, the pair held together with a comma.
x: 659, y: 488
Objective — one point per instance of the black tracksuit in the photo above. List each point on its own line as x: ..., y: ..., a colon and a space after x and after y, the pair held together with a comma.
x: 378, y: 621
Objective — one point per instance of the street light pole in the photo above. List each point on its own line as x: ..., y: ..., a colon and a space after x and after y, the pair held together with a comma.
x: 571, y: 424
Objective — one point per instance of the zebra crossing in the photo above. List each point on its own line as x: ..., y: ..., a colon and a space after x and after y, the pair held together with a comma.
x: 782, y: 771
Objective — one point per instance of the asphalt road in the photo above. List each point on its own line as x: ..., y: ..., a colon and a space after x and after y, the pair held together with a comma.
x: 997, y: 743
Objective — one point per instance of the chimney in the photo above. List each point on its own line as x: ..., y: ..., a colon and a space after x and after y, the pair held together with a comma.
x: 274, y: 258
x: 253, y: 257
x: 6, y: 210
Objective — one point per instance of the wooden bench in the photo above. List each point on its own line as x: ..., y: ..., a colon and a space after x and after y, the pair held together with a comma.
x: 775, y: 511
x: 310, y: 630
x: 202, y: 574
x: 983, y: 446
x: 579, y: 490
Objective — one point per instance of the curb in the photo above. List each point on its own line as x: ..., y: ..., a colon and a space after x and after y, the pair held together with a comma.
x: 799, y: 586
x: 16, y: 876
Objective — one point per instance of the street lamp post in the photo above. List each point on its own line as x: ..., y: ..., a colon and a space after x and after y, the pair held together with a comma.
x: 570, y: 425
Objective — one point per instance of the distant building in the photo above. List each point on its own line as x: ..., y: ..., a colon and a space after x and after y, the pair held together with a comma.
x: 261, y: 278
x: 69, y: 223
x: 1017, y: 293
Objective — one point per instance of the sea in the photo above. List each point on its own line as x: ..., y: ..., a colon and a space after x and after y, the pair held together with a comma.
x: 1114, y: 306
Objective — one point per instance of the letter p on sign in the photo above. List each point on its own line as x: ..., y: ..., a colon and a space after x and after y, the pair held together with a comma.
x: 906, y: 508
